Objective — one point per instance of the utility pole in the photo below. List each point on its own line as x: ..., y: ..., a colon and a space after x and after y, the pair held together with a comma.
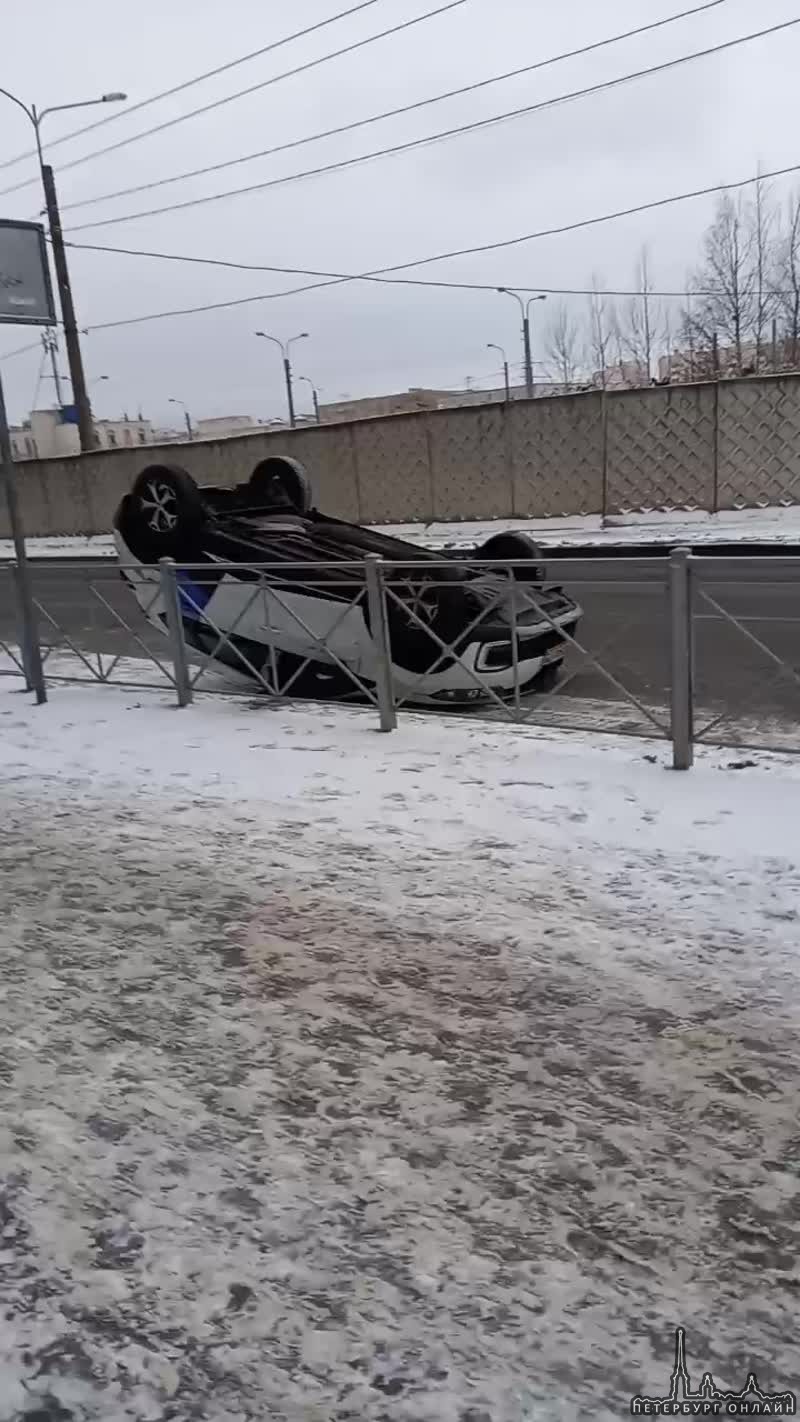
x: 284, y: 347
x: 80, y: 394
x: 31, y: 651
x: 33, y: 307
x: 314, y: 395
x: 490, y: 346
x: 526, y: 341
x: 186, y: 416
x: 287, y: 371
x: 525, y: 308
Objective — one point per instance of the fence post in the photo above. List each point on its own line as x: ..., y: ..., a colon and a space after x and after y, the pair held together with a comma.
x: 715, y: 450
x: 351, y: 433
x: 681, y: 659
x: 431, y: 476
x: 508, y: 446
x: 379, y: 626
x: 604, y: 456
x: 177, y: 641
x: 23, y: 641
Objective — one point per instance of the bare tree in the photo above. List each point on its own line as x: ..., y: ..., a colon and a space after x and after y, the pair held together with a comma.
x: 602, y: 318
x: 788, y: 282
x: 727, y: 282
x: 698, y: 334
x: 668, y: 343
x: 763, y: 221
x: 564, y: 343
x: 640, y: 322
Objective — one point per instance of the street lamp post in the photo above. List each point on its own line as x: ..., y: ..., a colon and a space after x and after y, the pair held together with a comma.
x: 491, y: 346
x: 80, y: 393
x: 283, y: 347
x: 315, y: 395
x: 525, y: 308
x: 187, y: 417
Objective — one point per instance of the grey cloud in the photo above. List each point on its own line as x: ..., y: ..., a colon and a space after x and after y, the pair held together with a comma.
x: 706, y: 122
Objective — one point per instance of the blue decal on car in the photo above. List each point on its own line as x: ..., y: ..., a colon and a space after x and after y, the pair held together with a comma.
x: 193, y: 597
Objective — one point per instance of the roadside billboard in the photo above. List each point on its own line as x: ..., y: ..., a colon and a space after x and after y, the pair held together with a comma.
x: 26, y: 296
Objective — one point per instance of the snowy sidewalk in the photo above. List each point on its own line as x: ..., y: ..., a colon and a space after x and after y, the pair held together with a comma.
x: 767, y: 525
x: 433, y: 1077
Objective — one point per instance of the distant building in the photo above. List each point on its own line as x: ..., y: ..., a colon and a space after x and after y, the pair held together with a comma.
x: 123, y: 434
x: 626, y: 375
x: 366, y: 409
x: 46, y: 434
x: 542, y: 390
x: 226, y: 426
x: 705, y: 363
x: 409, y: 401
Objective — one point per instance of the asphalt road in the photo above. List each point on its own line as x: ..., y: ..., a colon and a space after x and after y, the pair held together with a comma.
x: 624, y: 626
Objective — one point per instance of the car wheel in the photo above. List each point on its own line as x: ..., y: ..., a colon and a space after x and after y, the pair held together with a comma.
x: 280, y: 481
x: 166, y: 514
x: 513, y: 548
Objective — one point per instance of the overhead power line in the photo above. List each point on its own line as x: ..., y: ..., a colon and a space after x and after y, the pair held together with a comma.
x: 189, y: 83
x: 505, y: 243
x: 397, y: 112
x: 335, y: 278
x: 457, y: 132
x: 253, y: 88
x: 21, y: 350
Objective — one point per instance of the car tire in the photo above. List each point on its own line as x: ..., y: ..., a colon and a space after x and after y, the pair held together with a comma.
x: 279, y: 480
x: 512, y: 547
x: 165, y: 514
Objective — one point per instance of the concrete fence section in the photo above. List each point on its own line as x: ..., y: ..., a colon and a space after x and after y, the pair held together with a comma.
x: 727, y: 445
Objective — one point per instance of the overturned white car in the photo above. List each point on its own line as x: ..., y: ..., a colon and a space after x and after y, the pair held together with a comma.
x: 270, y: 586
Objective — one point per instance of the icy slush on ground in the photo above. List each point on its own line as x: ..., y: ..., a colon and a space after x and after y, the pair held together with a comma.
x: 432, y: 1076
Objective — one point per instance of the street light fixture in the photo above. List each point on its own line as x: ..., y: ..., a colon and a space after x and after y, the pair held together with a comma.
x: 284, y: 347
x: 315, y: 393
x: 525, y: 307
x: 187, y: 417
x: 79, y: 391
x: 492, y: 346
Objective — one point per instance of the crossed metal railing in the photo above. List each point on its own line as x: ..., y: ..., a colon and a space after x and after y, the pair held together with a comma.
x: 168, y: 629
x: 268, y: 674
x: 11, y: 658
x: 518, y: 597
x: 774, y: 677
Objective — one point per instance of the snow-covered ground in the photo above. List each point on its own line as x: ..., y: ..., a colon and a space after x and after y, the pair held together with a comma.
x: 772, y: 525
x: 563, y: 709
x: 64, y: 546
x: 432, y: 1077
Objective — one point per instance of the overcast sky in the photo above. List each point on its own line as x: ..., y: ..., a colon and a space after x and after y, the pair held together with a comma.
x: 710, y: 121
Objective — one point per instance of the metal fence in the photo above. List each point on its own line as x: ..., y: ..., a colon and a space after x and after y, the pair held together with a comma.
x: 689, y: 649
x: 11, y: 638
